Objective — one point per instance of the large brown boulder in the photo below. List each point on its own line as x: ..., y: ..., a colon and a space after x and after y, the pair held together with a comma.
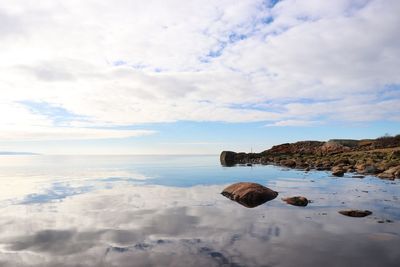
x: 249, y: 195
x: 227, y: 158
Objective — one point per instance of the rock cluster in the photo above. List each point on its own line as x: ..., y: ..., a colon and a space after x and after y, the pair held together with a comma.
x: 252, y: 195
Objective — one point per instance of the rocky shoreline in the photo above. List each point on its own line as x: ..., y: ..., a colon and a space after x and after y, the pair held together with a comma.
x: 379, y: 157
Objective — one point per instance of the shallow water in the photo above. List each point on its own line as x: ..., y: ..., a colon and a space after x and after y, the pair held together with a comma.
x: 168, y: 211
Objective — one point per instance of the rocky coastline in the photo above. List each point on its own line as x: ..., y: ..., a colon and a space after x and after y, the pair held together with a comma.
x: 379, y: 157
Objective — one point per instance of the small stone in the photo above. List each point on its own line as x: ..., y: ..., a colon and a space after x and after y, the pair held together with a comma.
x: 296, y: 201
x: 355, y: 213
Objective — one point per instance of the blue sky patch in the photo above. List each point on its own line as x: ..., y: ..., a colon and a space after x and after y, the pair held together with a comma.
x: 59, y: 115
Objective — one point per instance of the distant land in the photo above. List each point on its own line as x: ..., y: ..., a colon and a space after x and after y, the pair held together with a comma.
x: 17, y: 153
x: 380, y: 156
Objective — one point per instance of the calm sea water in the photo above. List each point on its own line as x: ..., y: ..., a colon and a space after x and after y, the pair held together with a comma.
x: 168, y: 211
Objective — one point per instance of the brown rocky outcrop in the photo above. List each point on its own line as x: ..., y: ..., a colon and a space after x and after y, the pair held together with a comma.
x: 302, y: 147
x: 366, y: 157
x: 332, y: 147
x: 249, y: 195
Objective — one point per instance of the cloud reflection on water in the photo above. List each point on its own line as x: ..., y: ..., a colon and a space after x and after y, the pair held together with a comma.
x: 127, y: 222
x: 165, y: 226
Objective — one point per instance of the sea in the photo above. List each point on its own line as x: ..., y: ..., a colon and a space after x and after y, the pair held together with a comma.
x: 152, y: 210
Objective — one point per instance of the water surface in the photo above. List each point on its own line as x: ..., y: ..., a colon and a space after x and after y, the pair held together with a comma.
x: 168, y: 211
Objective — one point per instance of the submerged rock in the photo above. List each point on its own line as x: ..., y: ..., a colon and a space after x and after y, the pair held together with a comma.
x: 296, y: 201
x: 355, y: 213
x: 249, y: 195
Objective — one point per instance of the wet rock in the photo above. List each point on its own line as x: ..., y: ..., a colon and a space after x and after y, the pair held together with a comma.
x: 358, y: 176
x: 249, y: 195
x: 227, y: 158
x: 337, y: 171
x: 355, y: 213
x: 296, y: 201
x: 383, y: 236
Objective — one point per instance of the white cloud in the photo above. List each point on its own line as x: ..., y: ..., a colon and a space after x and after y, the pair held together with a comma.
x: 198, y: 60
x: 33, y: 133
x: 295, y: 123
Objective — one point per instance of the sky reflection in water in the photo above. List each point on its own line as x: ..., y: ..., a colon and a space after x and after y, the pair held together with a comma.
x: 168, y: 211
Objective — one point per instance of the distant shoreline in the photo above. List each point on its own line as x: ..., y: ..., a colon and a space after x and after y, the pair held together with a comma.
x: 379, y: 157
x: 9, y: 153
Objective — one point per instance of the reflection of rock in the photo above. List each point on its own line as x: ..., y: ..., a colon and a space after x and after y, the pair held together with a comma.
x: 227, y: 158
x: 249, y: 194
x: 355, y: 213
x: 296, y: 201
x: 382, y: 236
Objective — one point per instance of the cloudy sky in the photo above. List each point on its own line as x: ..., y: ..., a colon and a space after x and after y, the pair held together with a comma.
x: 195, y: 76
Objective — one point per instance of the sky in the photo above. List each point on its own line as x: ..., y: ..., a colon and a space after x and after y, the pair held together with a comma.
x: 195, y: 76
